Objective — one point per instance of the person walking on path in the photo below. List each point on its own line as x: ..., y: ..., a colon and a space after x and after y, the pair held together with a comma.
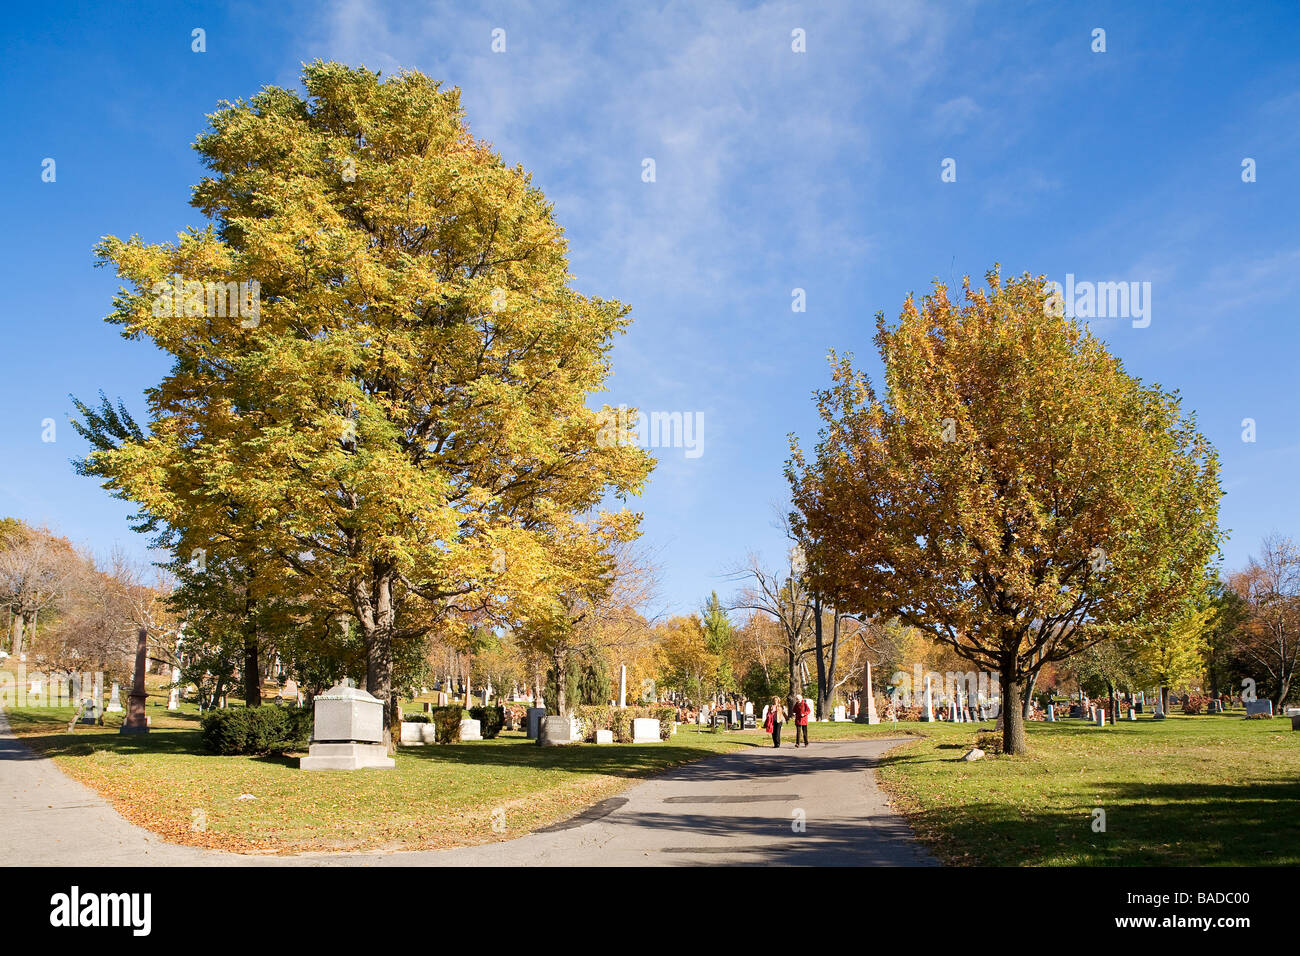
x: 801, y: 712
x: 774, y: 719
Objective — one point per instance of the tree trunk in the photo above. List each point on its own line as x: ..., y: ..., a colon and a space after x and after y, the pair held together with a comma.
x: 19, y: 622
x: 821, y: 660
x: 378, y: 617
x: 1013, y: 702
x: 252, y: 669
x: 789, y: 654
x: 561, y: 663
x: 1027, y: 707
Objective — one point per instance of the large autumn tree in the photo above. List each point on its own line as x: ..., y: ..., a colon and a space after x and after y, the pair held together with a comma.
x: 398, y: 426
x: 1015, y: 495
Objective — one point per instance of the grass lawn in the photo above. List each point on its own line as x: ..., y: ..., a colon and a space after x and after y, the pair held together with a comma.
x: 1208, y: 790
x: 438, y: 796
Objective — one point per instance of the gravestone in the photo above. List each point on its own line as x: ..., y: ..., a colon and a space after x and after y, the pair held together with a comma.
x: 604, y: 736
x: 442, y: 698
x: 555, y: 731
x: 115, y: 701
x: 622, y: 687
x: 88, y: 711
x: 1254, y: 707
x: 1132, y: 714
x: 1295, y: 722
x: 1216, y: 706
x: 471, y: 729
x: 416, y: 734
x: 929, y: 702
x: 645, y: 730
x: 867, y: 708
x: 839, y: 713
x: 1051, y: 713
x: 136, y: 722
x: 348, y: 730
x: 1101, y: 718
x: 535, y: 715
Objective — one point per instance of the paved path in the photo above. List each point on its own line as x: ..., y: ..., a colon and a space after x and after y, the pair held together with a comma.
x: 737, y: 808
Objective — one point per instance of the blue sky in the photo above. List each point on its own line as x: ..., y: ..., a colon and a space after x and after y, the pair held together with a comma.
x: 775, y: 170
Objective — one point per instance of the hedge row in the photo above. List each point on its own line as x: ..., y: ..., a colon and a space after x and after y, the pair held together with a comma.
x: 594, y: 717
x: 256, y: 730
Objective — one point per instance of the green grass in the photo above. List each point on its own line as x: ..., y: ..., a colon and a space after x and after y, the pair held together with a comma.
x: 1207, y: 790
x: 438, y: 796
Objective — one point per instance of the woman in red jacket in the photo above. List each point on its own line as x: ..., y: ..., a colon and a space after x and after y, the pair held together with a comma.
x: 801, y: 712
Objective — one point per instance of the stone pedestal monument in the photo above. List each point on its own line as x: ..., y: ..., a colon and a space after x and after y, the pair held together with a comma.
x: 348, y: 732
x: 867, y: 708
x: 136, y: 722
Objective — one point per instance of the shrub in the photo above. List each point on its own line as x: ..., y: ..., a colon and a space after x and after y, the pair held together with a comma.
x: 415, y: 718
x: 666, y: 717
x: 446, y: 723
x: 1195, y: 704
x: 490, y: 720
x: 621, y: 723
x: 256, y: 730
x: 1258, y: 716
x: 989, y: 741
x: 594, y: 717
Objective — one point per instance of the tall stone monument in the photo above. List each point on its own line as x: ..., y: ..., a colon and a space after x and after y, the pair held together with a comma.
x: 348, y: 732
x: 929, y: 701
x: 867, y: 711
x: 136, y: 722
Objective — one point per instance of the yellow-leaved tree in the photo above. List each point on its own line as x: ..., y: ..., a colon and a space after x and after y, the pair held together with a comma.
x: 380, y: 368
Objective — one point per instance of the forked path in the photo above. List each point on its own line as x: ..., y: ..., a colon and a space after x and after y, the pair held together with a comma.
x: 761, y: 806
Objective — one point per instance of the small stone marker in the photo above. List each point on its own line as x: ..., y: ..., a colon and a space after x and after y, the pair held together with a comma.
x: 604, y: 736
x: 348, y: 732
x: 417, y: 735
x: 471, y: 729
x: 645, y: 730
x: 1254, y: 707
x: 1101, y: 718
x: 115, y: 701
x: 1051, y: 713
x: 973, y: 754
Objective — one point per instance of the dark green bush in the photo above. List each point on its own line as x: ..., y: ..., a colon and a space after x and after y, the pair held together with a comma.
x: 256, y: 730
x: 446, y: 722
x: 490, y: 720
